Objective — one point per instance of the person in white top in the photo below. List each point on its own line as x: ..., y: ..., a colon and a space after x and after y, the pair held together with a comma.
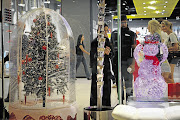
x: 165, y: 67
x: 164, y: 36
x: 172, y: 44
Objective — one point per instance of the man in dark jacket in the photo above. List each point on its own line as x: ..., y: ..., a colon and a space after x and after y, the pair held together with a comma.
x: 128, y: 43
x: 106, y: 99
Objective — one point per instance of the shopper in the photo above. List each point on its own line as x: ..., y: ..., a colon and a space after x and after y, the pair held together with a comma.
x: 165, y: 67
x: 172, y: 44
x: 128, y: 43
x: 80, y: 49
x: 106, y: 99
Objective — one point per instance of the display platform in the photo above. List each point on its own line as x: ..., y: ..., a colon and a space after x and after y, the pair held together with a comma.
x: 147, y: 110
x: 68, y: 112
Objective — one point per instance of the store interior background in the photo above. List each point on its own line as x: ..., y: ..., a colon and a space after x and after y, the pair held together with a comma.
x: 82, y: 17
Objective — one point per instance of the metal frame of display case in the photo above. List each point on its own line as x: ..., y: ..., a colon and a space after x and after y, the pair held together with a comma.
x: 2, y: 53
x: 6, y: 15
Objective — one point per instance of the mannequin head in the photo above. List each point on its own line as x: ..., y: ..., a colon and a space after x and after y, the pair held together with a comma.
x: 154, y: 27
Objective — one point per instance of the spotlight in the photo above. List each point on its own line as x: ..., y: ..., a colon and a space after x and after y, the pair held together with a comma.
x: 151, y: 7
x: 21, y: 5
x: 177, y: 17
x: 152, y: 2
x: 47, y: 2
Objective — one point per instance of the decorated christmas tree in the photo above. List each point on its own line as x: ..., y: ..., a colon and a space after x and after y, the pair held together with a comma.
x: 42, y: 59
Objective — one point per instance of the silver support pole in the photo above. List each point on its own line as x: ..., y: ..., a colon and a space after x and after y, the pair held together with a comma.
x: 99, y: 97
x: 17, y: 17
x: 112, y: 22
x: 2, y: 54
x: 26, y: 4
x: 119, y: 53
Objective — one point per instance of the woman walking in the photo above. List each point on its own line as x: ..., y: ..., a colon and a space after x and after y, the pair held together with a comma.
x: 80, y: 49
x: 172, y: 44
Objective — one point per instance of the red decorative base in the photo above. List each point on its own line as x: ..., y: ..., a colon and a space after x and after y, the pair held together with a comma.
x: 66, y: 112
x: 174, y: 90
x: 49, y: 117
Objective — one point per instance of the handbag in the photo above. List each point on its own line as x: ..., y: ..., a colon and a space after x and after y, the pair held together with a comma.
x: 174, y: 54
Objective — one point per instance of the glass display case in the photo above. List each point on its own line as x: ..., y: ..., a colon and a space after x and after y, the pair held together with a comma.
x: 42, y: 73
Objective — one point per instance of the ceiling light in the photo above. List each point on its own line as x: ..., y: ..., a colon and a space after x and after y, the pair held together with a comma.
x: 33, y: 7
x: 59, y: 5
x: 157, y: 12
x: 162, y: 13
x: 144, y: 3
x: 12, y: 9
x: 151, y: 7
x: 163, y: 10
x: 123, y: 4
x: 144, y: 14
x: 177, y: 17
x: 165, y: 6
x: 73, y: 0
x: 133, y: 15
x: 166, y: 2
x: 48, y: 2
x: 63, y: 47
x: 144, y: 11
x: 22, y: 5
x: 126, y: 8
x: 144, y: 7
x: 153, y: 2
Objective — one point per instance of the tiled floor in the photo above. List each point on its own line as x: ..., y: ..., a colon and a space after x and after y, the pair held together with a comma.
x: 83, y: 95
x: 83, y: 92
